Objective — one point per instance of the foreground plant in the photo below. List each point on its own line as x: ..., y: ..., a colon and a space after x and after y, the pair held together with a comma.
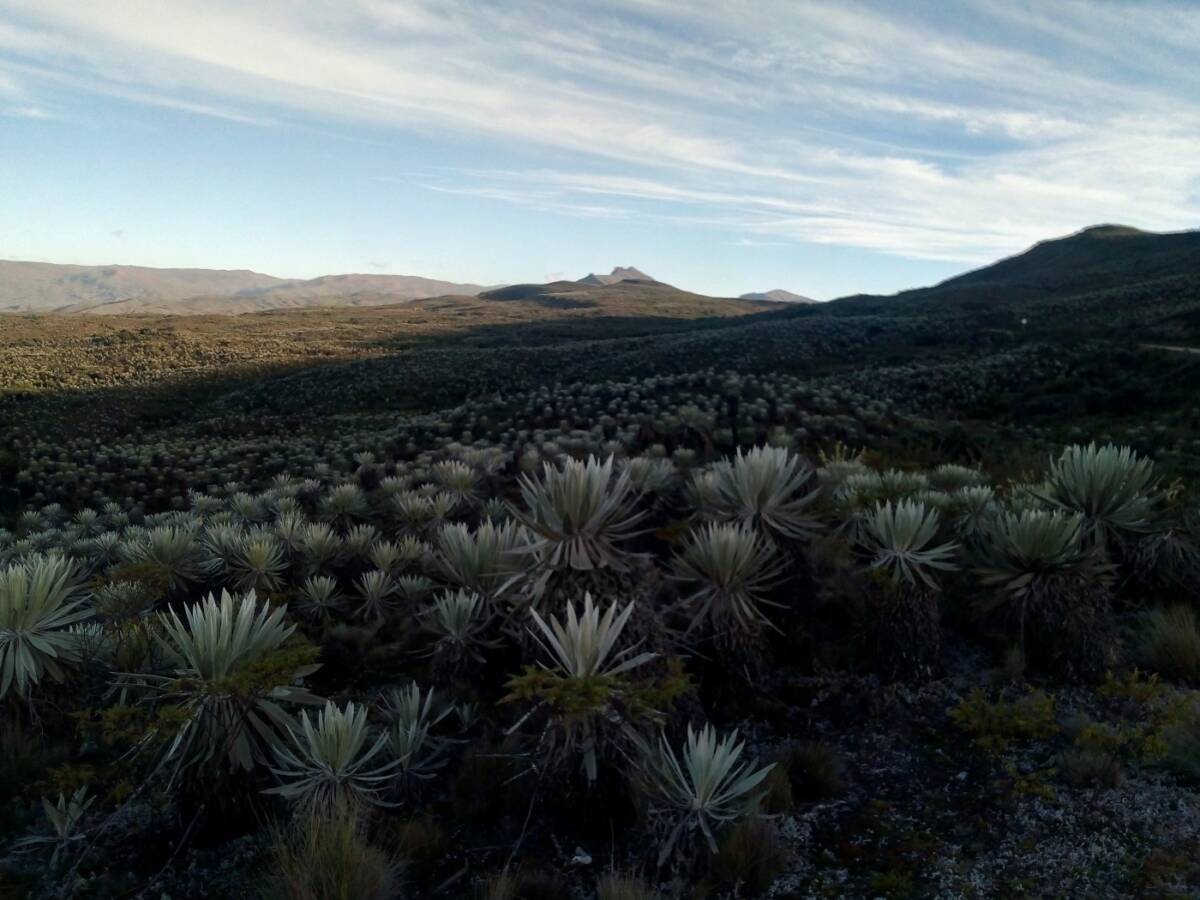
x: 581, y: 687
x: 172, y: 550
x: 1037, y: 563
x: 901, y: 539
x: 64, y: 818
x: 320, y: 598
x: 767, y: 488
x: 484, y: 560
x: 459, y: 622
x: 377, y: 590
x: 232, y: 672
x: 39, y: 602
x: 325, y: 765
x: 417, y: 756
x: 902, y: 612
x: 705, y: 791
x: 1110, y: 487
x: 729, y: 569
x: 579, y: 514
x: 258, y: 564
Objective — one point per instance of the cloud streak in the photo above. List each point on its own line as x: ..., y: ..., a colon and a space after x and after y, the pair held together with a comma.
x: 826, y: 123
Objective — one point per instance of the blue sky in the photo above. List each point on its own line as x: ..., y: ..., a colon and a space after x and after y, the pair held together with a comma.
x: 826, y: 148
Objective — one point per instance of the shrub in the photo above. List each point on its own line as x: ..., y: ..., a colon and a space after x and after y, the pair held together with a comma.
x: 625, y: 887
x: 1168, y: 642
x: 750, y: 856
x: 995, y: 725
x: 420, y: 841
x: 1181, y: 750
x: 328, y: 857
x: 815, y: 771
x: 1088, y: 767
x: 531, y: 885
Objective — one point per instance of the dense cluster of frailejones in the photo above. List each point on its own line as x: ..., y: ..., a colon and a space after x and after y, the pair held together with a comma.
x: 564, y: 635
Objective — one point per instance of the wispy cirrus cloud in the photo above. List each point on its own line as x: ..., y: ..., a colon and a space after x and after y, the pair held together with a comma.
x: 901, y: 130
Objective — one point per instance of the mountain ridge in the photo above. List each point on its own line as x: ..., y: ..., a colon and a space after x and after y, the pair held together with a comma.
x: 778, y: 295
x: 1093, y: 259
x: 618, y: 274
x: 111, y: 289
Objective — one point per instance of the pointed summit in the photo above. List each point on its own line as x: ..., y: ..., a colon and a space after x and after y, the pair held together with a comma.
x: 619, y: 274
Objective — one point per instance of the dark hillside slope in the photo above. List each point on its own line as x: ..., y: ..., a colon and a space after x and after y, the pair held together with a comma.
x: 1107, y: 276
x: 1094, y: 258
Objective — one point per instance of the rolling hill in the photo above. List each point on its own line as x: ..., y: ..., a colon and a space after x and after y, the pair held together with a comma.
x: 625, y: 297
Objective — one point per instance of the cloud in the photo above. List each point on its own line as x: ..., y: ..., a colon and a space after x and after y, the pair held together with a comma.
x: 912, y: 132
x: 27, y: 112
x: 752, y: 242
x: 540, y: 200
x: 9, y: 86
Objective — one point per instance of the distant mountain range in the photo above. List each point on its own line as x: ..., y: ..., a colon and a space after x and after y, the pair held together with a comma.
x: 1094, y: 259
x: 779, y: 295
x: 47, y: 287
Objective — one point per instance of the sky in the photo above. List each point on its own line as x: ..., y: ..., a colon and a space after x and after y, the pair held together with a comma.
x: 725, y: 146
